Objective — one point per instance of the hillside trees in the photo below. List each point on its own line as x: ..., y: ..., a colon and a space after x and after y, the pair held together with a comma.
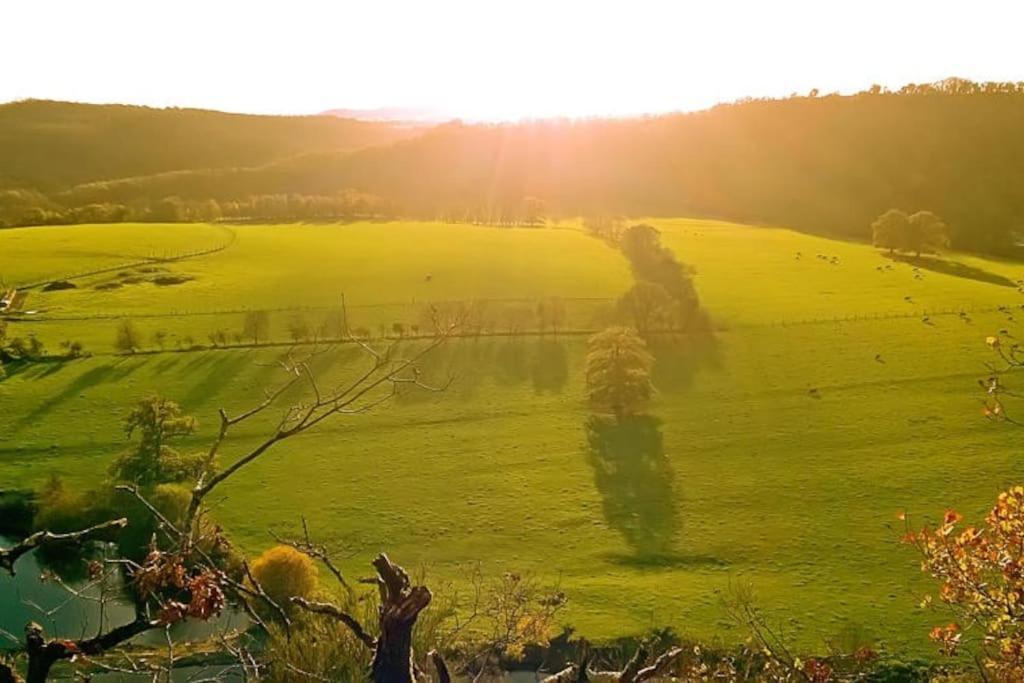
x: 921, y: 232
x: 618, y: 372
x: 926, y: 233
x: 888, y: 230
x: 852, y: 156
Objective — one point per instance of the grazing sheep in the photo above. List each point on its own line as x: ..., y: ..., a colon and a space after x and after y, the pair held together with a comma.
x: 878, y: 358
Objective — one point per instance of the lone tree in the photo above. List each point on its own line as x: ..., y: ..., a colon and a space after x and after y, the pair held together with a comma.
x: 889, y: 230
x: 256, y: 325
x: 156, y: 420
x: 128, y: 339
x: 619, y: 371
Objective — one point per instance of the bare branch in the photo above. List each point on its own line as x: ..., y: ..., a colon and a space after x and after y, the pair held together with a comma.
x: 443, y: 676
x: 11, y: 555
x: 327, y: 609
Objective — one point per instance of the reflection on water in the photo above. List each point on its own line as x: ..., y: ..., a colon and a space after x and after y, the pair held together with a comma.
x: 25, y: 598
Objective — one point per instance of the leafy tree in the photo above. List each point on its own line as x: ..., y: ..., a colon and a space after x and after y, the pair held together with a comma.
x: 156, y: 420
x: 649, y: 307
x: 618, y: 371
x: 168, y: 210
x: 36, y: 348
x: 72, y: 349
x: 256, y: 325
x: 890, y: 229
x: 603, y: 226
x: 298, y: 328
x: 128, y: 339
x: 927, y: 233
x: 981, y: 569
x: 640, y: 241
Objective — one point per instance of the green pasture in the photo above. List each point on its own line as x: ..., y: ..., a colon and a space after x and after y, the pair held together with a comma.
x: 778, y: 453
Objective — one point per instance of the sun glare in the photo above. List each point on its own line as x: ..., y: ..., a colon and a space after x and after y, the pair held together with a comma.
x: 492, y: 60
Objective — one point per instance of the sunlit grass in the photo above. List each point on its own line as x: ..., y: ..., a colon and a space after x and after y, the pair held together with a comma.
x: 749, y: 477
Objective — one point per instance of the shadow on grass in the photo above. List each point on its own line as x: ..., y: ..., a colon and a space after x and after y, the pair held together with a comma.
x: 512, y: 362
x: 110, y: 372
x: 636, y: 484
x: 678, y: 358
x: 207, y: 380
x: 668, y: 560
x: 954, y: 268
x: 550, y: 367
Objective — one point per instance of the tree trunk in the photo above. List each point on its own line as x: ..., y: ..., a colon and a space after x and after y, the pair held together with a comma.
x: 401, y: 604
x: 41, y: 657
x: 43, y: 653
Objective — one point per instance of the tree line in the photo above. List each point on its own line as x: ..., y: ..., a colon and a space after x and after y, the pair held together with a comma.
x: 24, y: 208
x: 821, y: 163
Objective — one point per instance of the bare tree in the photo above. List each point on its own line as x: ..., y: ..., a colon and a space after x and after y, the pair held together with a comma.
x: 181, y: 579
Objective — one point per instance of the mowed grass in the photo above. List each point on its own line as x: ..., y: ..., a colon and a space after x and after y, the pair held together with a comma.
x: 745, y: 476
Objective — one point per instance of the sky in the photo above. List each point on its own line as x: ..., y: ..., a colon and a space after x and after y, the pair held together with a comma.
x: 492, y: 59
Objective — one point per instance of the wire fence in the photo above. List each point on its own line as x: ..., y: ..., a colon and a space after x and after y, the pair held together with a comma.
x: 406, y: 305
x: 569, y: 301
x: 925, y: 313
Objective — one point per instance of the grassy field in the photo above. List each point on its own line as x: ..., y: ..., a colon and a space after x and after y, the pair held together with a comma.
x: 778, y: 455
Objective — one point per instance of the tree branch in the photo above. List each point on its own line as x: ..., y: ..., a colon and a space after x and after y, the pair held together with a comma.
x: 11, y: 555
x: 327, y: 609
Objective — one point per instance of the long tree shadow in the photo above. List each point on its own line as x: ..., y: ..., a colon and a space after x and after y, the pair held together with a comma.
x: 636, y: 484
x: 550, y: 366
x: 512, y: 362
x: 110, y: 372
x: 954, y: 268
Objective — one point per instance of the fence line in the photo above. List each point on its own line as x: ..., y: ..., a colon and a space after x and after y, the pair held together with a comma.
x: 720, y: 327
x: 134, y: 264
x: 296, y: 309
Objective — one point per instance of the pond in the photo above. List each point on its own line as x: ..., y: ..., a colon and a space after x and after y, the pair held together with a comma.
x: 29, y: 596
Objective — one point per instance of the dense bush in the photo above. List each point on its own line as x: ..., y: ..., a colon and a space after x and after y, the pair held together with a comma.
x: 285, y: 572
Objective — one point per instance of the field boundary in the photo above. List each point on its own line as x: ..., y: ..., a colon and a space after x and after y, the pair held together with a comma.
x: 855, y: 317
x: 134, y: 264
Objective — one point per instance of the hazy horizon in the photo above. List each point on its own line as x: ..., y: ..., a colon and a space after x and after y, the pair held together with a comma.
x: 491, y: 62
